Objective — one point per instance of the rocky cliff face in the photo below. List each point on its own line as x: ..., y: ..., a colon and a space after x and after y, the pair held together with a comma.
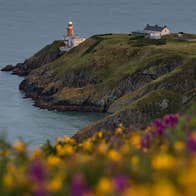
x: 118, y: 74
x: 168, y: 94
x: 46, y: 55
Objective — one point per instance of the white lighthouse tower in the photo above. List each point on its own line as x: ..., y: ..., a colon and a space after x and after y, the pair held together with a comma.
x: 70, y: 40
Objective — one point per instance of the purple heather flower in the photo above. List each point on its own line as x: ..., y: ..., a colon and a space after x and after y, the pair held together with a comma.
x: 191, y: 142
x: 170, y: 120
x: 37, y: 171
x: 145, y: 142
x: 78, y: 187
x: 40, y: 192
x: 120, y: 183
x: 160, y: 126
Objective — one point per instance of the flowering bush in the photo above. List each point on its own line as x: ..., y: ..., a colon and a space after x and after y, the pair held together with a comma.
x: 161, y: 160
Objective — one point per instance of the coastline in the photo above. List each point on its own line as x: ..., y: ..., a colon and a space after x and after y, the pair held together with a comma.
x: 150, y: 80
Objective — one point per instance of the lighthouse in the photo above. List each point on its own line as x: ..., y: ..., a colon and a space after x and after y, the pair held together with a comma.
x: 70, y: 40
x: 70, y: 29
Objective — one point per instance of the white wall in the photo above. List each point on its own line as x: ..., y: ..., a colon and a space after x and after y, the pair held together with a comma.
x: 155, y: 35
x: 165, y: 31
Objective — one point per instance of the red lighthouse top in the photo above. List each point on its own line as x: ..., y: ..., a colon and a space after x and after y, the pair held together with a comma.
x: 70, y: 29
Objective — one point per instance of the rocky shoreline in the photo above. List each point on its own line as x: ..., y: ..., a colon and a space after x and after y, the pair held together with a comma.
x: 112, y: 73
x: 46, y: 55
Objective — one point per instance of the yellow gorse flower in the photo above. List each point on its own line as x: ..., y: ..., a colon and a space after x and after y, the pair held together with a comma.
x: 125, y: 149
x: 5, y: 153
x: 164, y: 189
x: 63, y: 150
x: 188, y: 175
x: 54, y: 161
x: 108, y: 163
x: 102, y: 148
x: 137, y: 190
x: 69, y: 140
x: 179, y: 146
x: 148, y: 130
x: 36, y: 154
x: 84, y: 158
x: 100, y: 135
x: 119, y: 130
x: 105, y: 186
x: 163, y: 162
x: 114, y: 156
x: 20, y: 146
x: 56, y: 183
x: 14, y: 176
x: 87, y: 145
x: 8, y: 180
x: 136, y: 140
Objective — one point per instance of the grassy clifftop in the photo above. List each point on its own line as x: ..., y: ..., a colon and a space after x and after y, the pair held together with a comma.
x: 134, y: 78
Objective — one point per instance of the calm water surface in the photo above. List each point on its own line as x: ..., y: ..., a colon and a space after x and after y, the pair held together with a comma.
x: 28, y: 25
x: 19, y: 118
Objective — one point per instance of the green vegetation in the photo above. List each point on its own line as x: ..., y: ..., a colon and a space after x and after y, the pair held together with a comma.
x: 159, y: 160
x: 111, y: 57
x: 140, y: 41
x: 137, y: 80
x: 113, y: 72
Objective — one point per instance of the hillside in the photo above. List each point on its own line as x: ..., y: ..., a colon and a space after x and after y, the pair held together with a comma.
x: 46, y: 55
x: 133, y: 78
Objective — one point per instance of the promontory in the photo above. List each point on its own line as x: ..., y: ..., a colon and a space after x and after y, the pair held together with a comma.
x: 133, y: 79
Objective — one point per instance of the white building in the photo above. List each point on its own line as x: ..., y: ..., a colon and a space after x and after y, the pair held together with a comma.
x: 156, y: 32
x: 70, y: 40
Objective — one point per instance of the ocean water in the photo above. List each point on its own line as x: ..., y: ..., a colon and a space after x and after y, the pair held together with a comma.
x: 20, y: 119
x: 28, y: 25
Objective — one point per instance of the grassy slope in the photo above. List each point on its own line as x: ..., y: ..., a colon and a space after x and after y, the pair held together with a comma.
x: 45, y: 52
x: 180, y: 81
x: 96, y: 72
x: 44, y: 56
x: 111, y: 57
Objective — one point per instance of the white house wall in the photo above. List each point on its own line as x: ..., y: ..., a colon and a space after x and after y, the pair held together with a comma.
x: 165, y: 31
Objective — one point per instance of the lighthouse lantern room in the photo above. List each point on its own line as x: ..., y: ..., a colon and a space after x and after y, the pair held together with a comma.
x: 70, y: 29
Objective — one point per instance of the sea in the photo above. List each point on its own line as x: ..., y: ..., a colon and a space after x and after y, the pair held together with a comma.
x: 28, y: 25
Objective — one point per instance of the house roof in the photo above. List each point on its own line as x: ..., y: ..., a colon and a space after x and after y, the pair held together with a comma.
x: 154, y: 28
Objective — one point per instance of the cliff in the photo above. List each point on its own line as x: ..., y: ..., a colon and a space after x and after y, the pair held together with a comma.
x: 46, y: 55
x: 135, y: 79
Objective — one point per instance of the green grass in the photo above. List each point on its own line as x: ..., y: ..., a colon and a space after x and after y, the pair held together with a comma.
x: 154, y: 99
x: 139, y: 41
x: 111, y: 58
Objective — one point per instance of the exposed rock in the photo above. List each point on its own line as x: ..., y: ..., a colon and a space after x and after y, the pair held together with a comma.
x: 137, y: 115
x: 8, y: 68
x: 46, y: 55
